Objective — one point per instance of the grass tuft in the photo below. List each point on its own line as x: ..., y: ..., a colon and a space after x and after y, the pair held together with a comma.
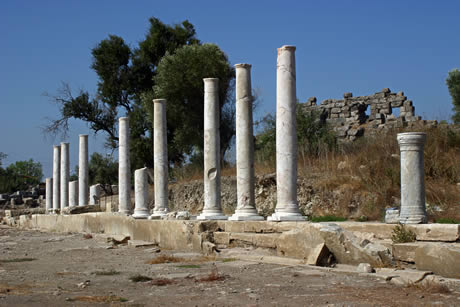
x: 106, y: 273
x: 140, y: 278
x: 17, y: 260
x: 430, y: 287
x: 189, y: 266
x: 402, y: 235
x: 97, y: 299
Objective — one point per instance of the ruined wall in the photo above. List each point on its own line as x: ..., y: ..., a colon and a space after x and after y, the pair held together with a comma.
x: 352, y: 116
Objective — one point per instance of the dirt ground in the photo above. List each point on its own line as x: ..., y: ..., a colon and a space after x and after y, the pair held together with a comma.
x: 50, y: 269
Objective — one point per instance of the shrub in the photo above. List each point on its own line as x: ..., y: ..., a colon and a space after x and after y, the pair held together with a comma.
x: 402, y: 235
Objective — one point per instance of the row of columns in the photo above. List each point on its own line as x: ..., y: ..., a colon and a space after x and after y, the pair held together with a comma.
x: 287, y: 209
x: 60, y: 192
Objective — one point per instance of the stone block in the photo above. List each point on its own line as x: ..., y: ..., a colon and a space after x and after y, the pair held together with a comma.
x: 436, y: 232
x: 221, y: 238
x: 386, y: 90
x: 396, y: 104
x: 392, y: 216
x: 348, y: 95
x: 336, y: 110
x: 407, y: 103
x: 405, y: 251
x: 441, y: 258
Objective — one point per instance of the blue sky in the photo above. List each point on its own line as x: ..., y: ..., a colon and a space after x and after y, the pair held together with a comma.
x: 342, y: 46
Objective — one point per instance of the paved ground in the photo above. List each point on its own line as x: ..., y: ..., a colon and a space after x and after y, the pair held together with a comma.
x: 49, y: 269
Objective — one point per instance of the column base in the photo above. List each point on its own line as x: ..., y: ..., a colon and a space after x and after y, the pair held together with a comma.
x: 124, y: 212
x: 245, y: 217
x: 141, y: 214
x: 286, y: 216
x: 158, y: 215
x: 211, y: 216
x: 415, y: 219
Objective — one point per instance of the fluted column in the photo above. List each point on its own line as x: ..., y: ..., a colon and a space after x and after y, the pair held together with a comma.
x: 49, y: 195
x: 413, y: 208
x: 287, y: 208
x: 65, y: 170
x: 83, y: 171
x: 160, y: 157
x: 56, y: 177
x: 245, y: 210
x: 124, y: 167
x: 73, y: 193
x: 212, y: 207
x: 141, y: 195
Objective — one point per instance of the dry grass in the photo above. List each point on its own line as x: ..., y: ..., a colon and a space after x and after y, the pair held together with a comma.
x: 429, y: 286
x: 17, y: 260
x: 15, y: 289
x: 97, y: 299
x: 140, y: 278
x: 162, y: 282
x: 87, y: 236
x: 212, y: 276
x: 172, y: 259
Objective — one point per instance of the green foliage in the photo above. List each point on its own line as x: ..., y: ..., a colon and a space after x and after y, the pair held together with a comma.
x: 124, y: 74
x: 453, y: 84
x: 402, y: 235
x: 265, y: 143
x: 446, y: 221
x: 20, y: 175
x: 103, y: 170
x: 179, y: 79
x: 328, y: 218
x: 2, y: 156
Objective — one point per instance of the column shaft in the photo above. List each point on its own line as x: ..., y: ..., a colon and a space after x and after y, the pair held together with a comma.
x: 56, y: 177
x: 141, y: 195
x: 124, y: 167
x: 65, y: 170
x: 245, y: 209
x: 212, y: 206
x: 413, y: 208
x: 73, y: 193
x: 160, y: 157
x: 49, y: 195
x: 286, y: 138
x: 94, y: 194
x: 83, y: 171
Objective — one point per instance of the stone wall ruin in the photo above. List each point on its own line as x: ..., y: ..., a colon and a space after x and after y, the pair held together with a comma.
x: 350, y: 118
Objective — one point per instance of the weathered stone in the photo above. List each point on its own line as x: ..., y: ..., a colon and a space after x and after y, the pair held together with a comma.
x: 436, y: 232
x: 365, y: 268
x: 65, y: 174
x: 392, y: 216
x: 94, y: 194
x: 49, y: 195
x: 348, y: 95
x: 124, y: 167
x: 83, y: 171
x: 81, y: 209
x: 405, y: 251
x: 56, y: 177
x: 141, y: 196
x: 441, y: 258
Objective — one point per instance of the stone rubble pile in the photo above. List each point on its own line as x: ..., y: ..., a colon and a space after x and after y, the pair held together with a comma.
x: 30, y: 198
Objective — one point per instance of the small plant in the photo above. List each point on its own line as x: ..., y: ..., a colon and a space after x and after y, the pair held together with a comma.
x: 106, y: 273
x: 402, y: 235
x: 162, y: 282
x: 229, y: 260
x: 97, y: 299
x: 328, y: 218
x: 140, y: 278
x: 446, y: 220
x: 430, y: 286
x: 212, y: 276
x: 17, y: 260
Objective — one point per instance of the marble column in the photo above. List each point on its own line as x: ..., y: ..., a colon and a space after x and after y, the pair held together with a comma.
x: 413, y: 210
x: 73, y: 193
x: 94, y: 194
x: 160, y: 158
x: 49, y: 195
x: 245, y: 210
x: 65, y: 170
x: 287, y: 208
x: 56, y: 177
x: 141, y: 195
x: 83, y: 171
x: 212, y: 208
x: 124, y: 167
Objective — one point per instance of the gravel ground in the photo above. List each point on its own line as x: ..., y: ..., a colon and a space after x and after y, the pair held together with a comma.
x: 50, y: 269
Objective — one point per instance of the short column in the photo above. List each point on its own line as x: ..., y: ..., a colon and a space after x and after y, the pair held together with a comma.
x: 49, y: 195
x: 245, y: 210
x: 160, y: 158
x: 56, y: 177
x: 94, y: 194
x: 83, y: 171
x: 413, y: 210
x: 73, y: 193
x: 65, y: 170
x: 212, y: 208
x: 124, y: 167
x: 141, y: 195
x: 287, y: 208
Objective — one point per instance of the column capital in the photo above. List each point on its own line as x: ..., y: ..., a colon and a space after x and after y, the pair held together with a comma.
x: 411, y: 140
x: 287, y: 47
x: 243, y: 65
x: 83, y: 135
x: 159, y: 100
x: 121, y: 119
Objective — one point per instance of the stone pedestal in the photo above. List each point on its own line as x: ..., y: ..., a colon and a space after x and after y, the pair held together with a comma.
x: 124, y: 167
x: 94, y: 194
x: 73, y: 193
x: 413, y: 210
x: 141, y: 195
x: 160, y: 158
x: 83, y: 171
x: 245, y: 210
x: 49, y: 195
x: 65, y: 174
x: 56, y: 178
x: 212, y: 207
x: 287, y: 208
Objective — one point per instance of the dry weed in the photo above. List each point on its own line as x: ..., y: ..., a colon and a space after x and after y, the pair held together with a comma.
x: 212, y: 276
x: 97, y: 299
x: 173, y: 259
x: 429, y: 286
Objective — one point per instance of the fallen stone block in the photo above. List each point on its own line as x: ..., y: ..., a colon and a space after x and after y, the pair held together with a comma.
x: 365, y: 268
x: 441, y: 258
x: 81, y: 209
x: 140, y: 243
x: 405, y: 251
x: 436, y: 232
x: 118, y: 239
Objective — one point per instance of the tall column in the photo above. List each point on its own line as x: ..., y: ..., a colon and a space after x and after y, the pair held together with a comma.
x: 413, y: 210
x: 65, y: 175
x: 160, y: 157
x: 73, y: 193
x: 245, y: 210
x: 56, y: 177
x: 141, y: 195
x: 94, y: 194
x: 49, y: 195
x: 124, y: 167
x: 287, y: 208
x: 83, y: 171
x: 212, y: 208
